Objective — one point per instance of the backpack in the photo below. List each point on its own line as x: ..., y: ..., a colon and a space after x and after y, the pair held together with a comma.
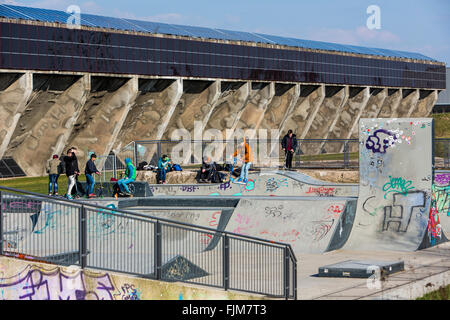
x: 61, y: 167
x: 176, y: 167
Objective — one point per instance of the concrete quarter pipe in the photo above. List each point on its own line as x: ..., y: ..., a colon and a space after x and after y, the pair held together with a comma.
x: 395, y: 184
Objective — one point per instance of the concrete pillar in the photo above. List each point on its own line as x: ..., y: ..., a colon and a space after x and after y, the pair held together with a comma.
x: 391, y: 103
x: 282, y: 104
x: 278, y: 111
x: 348, y: 118
x: 213, y: 98
x: 253, y: 113
x: 49, y: 131
x: 13, y: 102
x: 410, y: 97
x: 150, y: 112
x: 326, y: 117
x: 230, y: 106
x: 196, y: 104
x: 372, y: 109
x: 427, y: 100
x: 300, y: 118
x: 350, y: 113
x: 193, y: 111
x: 102, y: 119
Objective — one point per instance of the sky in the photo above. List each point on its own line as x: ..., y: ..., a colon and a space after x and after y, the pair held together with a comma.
x: 421, y: 26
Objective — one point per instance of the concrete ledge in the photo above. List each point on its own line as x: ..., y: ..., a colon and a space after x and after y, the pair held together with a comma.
x: 173, y: 177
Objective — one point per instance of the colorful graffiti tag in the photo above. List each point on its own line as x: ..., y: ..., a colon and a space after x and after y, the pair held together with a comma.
x: 35, y: 283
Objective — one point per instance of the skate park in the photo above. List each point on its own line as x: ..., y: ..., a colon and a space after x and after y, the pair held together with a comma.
x: 385, y: 219
x: 284, y: 234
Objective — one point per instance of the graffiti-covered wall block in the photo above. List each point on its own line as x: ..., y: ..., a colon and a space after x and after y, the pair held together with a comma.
x: 395, y: 184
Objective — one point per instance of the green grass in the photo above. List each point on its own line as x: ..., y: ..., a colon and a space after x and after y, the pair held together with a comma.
x: 441, y: 125
x: 37, y: 184
x: 328, y: 156
x: 443, y: 293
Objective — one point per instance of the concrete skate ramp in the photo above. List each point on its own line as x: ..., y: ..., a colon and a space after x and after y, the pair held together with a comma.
x: 265, y: 183
x: 309, y: 225
x: 395, y: 184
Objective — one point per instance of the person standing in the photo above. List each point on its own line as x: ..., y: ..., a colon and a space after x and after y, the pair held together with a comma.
x: 289, y: 145
x: 89, y: 171
x: 72, y: 170
x: 53, y: 174
x: 244, y: 148
x: 130, y: 176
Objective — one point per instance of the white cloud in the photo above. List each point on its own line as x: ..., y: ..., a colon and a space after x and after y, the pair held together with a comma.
x: 358, y: 36
x: 163, y: 17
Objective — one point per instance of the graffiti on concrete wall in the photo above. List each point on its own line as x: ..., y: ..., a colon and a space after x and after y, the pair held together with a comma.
x: 380, y: 140
x: 440, y: 207
x: 128, y: 292
x: 273, y: 184
x: 397, y: 185
x: 442, y: 179
x: 322, y: 191
x: 36, y: 283
x: 397, y: 216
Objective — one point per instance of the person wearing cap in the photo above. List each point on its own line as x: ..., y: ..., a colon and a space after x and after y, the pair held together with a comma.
x: 130, y: 176
x: 89, y: 171
x: 164, y: 165
x: 53, y: 175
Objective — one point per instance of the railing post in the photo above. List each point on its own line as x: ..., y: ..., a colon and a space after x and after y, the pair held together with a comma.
x: 286, y: 273
x: 346, y: 155
x: 447, y: 159
x: 83, y: 236
x: 114, y: 167
x: 135, y: 154
x: 1, y: 223
x: 158, y: 150
x: 226, y: 262
x: 157, y: 250
x: 294, y: 276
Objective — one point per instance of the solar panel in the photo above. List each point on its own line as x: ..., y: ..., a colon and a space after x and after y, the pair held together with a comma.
x: 46, y: 15
x: 10, y: 168
x: 110, y: 23
x: 201, y: 32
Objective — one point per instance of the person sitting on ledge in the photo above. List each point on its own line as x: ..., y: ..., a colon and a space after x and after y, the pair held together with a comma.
x: 164, y: 166
x: 130, y: 176
x: 207, y: 169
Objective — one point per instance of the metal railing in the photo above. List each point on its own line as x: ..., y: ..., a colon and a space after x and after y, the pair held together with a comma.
x: 67, y: 232
x: 311, y: 153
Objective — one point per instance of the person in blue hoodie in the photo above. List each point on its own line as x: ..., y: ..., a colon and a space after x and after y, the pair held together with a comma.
x: 130, y: 176
x: 164, y: 165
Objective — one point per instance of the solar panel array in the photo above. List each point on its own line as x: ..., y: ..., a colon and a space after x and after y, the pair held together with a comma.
x: 91, y: 20
x: 9, y: 168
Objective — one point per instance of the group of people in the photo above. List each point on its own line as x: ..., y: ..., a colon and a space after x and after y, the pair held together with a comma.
x: 68, y: 164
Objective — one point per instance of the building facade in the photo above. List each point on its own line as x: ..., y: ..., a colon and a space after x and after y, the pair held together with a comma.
x: 108, y: 81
